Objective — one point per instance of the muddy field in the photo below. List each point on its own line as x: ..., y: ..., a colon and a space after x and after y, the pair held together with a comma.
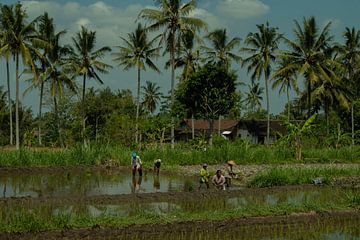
x: 238, y: 228
x: 241, y: 226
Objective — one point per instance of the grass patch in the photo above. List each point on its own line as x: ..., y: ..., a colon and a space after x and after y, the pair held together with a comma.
x: 288, y: 176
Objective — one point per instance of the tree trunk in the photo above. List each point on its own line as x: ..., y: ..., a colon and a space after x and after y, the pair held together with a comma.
x: 57, y: 121
x: 268, y: 112
x: 40, y: 108
x: 172, y: 52
x: 17, y: 130
x: 10, y: 102
x: 192, y: 127
x: 83, y: 111
x: 352, y: 124
x: 309, y: 99
x: 137, y: 107
x: 211, y: 122
x: 288, y: 100
x: 219, y: 130
x: 96, y: 128
x: 327, y: 117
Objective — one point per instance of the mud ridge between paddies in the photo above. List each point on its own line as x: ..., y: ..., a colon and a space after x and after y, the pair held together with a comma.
x: 153, y: 197
x: 99, y: 232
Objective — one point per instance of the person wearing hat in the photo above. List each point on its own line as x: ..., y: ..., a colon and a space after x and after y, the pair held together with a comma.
x: 136, y: 164
x: 229, y: 173
x: 218, y: 180
x: 157, y: 164
x: 204, y: 176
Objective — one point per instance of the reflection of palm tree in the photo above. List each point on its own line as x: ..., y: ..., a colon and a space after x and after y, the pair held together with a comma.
x: 173, y: 17
x: 220, y: 50
x: 263, y: 45
x: 152, y: 96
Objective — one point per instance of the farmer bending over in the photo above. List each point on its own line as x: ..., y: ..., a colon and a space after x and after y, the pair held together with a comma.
x: 157, y: 164
x: 136, y: 164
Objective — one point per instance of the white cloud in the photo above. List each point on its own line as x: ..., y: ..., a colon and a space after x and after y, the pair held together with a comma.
x: 242, y: 9
x: 212, y: 20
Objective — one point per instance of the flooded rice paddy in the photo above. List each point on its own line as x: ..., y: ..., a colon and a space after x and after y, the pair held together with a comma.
x: 122, y: 196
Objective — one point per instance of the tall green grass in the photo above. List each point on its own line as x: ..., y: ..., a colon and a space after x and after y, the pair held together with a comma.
x: 289, y: 176
x: 182, y: 154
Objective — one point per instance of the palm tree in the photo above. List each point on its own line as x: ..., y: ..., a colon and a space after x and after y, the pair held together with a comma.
x: 307, y: 54
x: 349, y: 56
x: 137, y: 52
x: 254, y: 96
x: 220, y: 50
x: 263, y: 46
x: 5, y: 36
x: 87, y: 62
x: 187, y: 56
x: 19, y: 44
x: 152, y: 96
x: 46, y: 30
x: 173, y: 17
x: 58, y: 74
x: 285, y: 81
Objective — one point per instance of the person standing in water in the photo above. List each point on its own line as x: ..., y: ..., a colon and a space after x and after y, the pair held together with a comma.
x: 136, y: 164
x: 204, y: 176
x: 157, y: 164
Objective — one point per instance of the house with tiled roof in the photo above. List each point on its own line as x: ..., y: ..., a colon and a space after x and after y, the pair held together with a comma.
x: 252, y: 130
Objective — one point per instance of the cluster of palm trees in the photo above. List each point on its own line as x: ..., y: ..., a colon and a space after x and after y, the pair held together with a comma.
x: 50, y: 63
x: 330, y: 71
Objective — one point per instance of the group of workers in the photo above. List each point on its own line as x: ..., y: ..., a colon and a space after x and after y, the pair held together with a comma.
x: 218, y: 180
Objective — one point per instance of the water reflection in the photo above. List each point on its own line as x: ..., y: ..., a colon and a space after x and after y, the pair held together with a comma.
x: 89, y: 184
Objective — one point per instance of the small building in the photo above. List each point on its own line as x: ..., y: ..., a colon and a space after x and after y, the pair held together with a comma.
x: 252, y: 130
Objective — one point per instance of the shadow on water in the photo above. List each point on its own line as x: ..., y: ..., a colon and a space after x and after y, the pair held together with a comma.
x: 90, y: 184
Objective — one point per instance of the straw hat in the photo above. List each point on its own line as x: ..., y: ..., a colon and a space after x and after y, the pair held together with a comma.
x: 231, y: 162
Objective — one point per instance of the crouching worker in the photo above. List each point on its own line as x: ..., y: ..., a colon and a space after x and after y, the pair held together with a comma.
x: 218, y: 180
x: 204, y: 176
x: 157, y: 164
x: 136, y: 164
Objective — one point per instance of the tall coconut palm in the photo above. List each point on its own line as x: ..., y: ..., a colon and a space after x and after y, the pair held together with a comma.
x: 137, y: 52
x: 87, y: 62
x: 254, y: 96
x: 307, y: 54
x: 152, y: 96
x: 22, y: 35
x: 172, y: 16
x: 46, y: 32
x: 5, y: 36
x: 261, y: 55
x: 349, y: 57
x: 220, y: 51
x: 285, y: 81
x: 187, y: 57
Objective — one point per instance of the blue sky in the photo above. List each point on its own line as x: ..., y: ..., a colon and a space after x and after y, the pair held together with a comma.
x: 114, y: 18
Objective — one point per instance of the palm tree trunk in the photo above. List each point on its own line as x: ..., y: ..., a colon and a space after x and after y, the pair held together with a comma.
x: 40, y: 108
x: 172, y: 52
x: 192, y: 127
x: 309, y: 99
x: 352, y: 124
x: 288, y: 100
x: 83, y: 111
x: 137, y: 106
x: 57, y: 121
x: 211, y: 132
x: 219, y: 130
x: 268, y: 111
x: 17, y: 131
x: 327, y: 117
x: 10, y: 103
